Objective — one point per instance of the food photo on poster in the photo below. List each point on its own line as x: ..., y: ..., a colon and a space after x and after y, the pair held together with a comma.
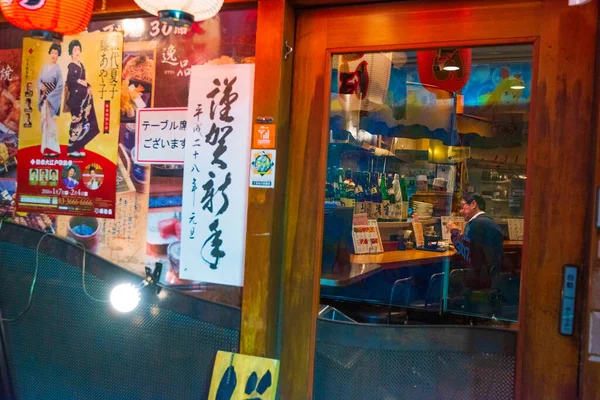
x: 72, y: 126
x: 10, y: 94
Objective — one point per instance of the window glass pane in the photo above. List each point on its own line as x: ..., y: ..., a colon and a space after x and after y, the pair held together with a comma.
x: 425, y: 184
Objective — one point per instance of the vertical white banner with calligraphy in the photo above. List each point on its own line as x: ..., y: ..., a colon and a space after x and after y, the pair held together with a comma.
x: 216, y: 173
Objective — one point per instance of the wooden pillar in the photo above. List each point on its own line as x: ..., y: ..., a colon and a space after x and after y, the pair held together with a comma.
x: 590, y: 368
x: 264, y: 238
x: 558, y: 188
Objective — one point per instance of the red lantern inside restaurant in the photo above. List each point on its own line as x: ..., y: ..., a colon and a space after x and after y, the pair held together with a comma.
x: 447, y: 69
x: 49, y: 19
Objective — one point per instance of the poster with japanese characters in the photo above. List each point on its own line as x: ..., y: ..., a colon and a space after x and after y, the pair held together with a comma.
x: 160, y: 135
x: 69, y: 127
x: 216, y: 174
x: 122, y: 240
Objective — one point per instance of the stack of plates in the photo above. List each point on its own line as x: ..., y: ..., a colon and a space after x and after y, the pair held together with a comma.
x: 424, y: 210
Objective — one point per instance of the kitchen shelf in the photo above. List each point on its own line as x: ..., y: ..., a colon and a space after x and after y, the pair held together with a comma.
x: 496, y: 182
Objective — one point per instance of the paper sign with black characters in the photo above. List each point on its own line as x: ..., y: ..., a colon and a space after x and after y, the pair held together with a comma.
x: 242, y: 377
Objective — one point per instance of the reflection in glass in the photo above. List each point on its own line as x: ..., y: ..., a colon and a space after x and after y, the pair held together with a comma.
x: 426, y: 183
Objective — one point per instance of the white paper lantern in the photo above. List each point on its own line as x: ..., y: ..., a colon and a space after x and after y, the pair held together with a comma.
x: 181, y: 12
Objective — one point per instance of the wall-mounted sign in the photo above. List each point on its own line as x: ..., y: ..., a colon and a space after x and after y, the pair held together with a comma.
x: 242, y: 377
x: 160, y: 135
x: 262, y: 168
x: 216, y: 173
x: 263, y: 136
x: 69, y: 134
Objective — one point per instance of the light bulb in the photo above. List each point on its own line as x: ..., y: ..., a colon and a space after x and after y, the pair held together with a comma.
x: 125, y: 297
x: 451, y: 68
x: 517, y: 87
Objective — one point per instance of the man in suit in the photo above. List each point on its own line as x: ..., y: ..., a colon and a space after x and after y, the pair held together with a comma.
x: 480, y: 244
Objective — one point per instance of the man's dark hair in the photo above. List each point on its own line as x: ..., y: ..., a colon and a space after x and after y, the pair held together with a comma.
x: 57, y: 47
x: 28, y: 101
x: 474, y: 197
x: 92, y: 168
x: 73, y: 44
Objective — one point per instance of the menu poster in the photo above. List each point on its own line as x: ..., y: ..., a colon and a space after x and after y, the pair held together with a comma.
x: 366, y: 237
x: 515, y: 229
x: 446, y: 233
x: 419, y: 236
x: 216, y: 174
x: 69, y: 126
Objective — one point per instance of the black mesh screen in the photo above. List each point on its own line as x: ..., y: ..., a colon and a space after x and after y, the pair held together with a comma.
x: 69, y: 347
x: 358, y: 362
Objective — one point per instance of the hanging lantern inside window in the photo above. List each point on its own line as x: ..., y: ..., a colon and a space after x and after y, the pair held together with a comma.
x: 49, y: 19
x: 181, y: 12
x: 447, y: 69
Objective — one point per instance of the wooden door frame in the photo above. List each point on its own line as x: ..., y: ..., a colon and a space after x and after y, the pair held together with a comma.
x: 562, y: 102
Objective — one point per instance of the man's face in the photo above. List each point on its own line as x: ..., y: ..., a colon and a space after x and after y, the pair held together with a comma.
x: 27, y: 118
x: 93, y: 174
x: 468, y: 210
x: 53, y: 175
x: 29, y: 86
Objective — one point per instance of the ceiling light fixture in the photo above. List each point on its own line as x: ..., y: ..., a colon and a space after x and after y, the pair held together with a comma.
x: 181, y: 12
x: 451, y: 68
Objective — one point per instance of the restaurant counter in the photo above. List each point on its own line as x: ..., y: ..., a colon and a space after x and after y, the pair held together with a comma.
x: 364, y: 265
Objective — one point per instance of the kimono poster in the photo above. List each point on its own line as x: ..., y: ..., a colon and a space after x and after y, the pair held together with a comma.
x: 69, y: 126
x: 216, y: 174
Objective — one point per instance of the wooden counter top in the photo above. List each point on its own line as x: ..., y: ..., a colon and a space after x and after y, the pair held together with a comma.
x: 401, y: 258
x: 364, y: 265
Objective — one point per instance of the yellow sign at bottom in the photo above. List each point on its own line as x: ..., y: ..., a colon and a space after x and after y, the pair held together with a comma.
x: 242, y: 377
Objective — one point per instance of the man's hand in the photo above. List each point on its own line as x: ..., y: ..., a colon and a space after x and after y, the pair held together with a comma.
x: 452, y: 225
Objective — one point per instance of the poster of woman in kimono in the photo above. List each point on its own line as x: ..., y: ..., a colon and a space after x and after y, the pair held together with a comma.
x: 50, y: 88
x: 80, y: 102
x: 74, y: 98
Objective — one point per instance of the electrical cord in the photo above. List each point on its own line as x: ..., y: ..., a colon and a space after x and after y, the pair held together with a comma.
x: 83, y: 275
x: 35, y: 274
x: 33, y: 281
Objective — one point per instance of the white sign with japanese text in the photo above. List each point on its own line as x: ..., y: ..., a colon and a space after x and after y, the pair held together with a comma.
x: 216, y: 173
x: 160, y: 135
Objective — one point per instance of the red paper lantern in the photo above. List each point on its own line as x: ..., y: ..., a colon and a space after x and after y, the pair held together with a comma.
x: 49, y: 19
x: 447, y: 69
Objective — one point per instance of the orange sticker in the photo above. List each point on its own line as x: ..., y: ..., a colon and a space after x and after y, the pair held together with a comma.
x: 263, y: 136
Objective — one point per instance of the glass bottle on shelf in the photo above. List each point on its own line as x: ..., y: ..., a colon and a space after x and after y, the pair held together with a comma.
x: 376, y: 198
x: 349, y: 185
x: 396, y: 196
x: 366, y: 181
x: 359, y: 194
x: 385, y: 200
x: 329, y: 192
x: 404, y: 195
x: 341, y: 189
